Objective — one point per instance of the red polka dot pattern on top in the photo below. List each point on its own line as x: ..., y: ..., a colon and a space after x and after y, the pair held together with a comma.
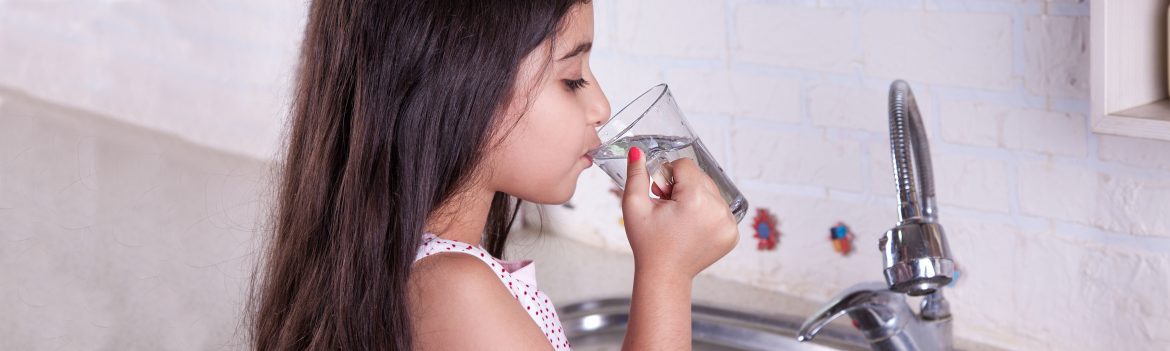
x: 520, y: 279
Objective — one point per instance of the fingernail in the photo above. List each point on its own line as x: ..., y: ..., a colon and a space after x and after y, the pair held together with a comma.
x: 635, y: 154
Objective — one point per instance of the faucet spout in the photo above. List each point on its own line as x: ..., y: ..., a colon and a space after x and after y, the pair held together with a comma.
x: 917, y: 257
x: 911, y: 154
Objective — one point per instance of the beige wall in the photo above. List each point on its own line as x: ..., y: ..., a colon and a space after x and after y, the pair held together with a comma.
x: 115, y: 237
x: 213, y: 72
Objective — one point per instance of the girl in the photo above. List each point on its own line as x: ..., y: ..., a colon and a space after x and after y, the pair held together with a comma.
x: 417, y: 127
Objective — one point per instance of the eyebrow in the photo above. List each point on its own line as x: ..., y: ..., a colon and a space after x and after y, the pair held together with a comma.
x: 583, y: 47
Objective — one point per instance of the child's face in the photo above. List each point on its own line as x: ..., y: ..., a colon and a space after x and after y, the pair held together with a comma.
x: 542, y: 157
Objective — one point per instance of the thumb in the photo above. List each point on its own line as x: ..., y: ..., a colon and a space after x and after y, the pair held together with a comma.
x: 634, y: 198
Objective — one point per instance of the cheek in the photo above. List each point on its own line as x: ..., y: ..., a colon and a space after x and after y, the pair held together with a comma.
x: 558, y: 125
x: 542, y: 161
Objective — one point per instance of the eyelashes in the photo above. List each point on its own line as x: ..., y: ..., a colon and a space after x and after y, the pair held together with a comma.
x: 575, y: 84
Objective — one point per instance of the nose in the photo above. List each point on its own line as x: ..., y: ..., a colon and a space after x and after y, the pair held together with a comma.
x: 599, y: 108
x: 598, y: 122
x: 602, y: 112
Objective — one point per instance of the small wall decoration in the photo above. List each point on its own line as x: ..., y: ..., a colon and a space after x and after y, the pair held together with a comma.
x: 842, y: 239
x: 766, y: 232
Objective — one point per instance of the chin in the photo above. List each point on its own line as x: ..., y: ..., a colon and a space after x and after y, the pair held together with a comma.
x: 562, y: 197
x: 557, y: 197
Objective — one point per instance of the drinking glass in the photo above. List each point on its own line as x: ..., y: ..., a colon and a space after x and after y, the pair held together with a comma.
x: 654, y: 123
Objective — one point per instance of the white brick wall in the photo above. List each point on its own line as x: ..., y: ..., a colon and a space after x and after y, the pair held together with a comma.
x: 1055, y: 53
x: 805, y: 157
x: 971, y: 50
x: 678, y: 28
x: 708, y: 91
x: 1135, y: 152
x: 1062, y: 234
x: 1115, y: 201
x: 811, y: 38
x: 846, y: 106
x: 972, y: 182
x: 1036, y: 130
x: 1058, y: 191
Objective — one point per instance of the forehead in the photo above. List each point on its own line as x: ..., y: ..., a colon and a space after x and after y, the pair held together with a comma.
x: 577, y: 27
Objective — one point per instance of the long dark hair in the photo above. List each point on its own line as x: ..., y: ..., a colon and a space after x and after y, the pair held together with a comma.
x: 394, y: 106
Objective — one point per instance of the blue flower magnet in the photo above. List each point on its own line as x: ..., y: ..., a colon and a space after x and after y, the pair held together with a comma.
x: 841, y: 238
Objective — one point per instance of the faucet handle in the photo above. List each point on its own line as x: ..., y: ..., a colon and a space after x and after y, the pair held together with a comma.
x: 873, y: 306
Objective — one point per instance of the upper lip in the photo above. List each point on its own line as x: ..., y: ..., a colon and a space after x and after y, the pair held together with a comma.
x: 587, y: 155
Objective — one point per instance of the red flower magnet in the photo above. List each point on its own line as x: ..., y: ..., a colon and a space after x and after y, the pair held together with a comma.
x: 766, y: 231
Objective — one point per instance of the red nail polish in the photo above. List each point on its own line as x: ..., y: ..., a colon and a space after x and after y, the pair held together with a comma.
x: 635, y: 154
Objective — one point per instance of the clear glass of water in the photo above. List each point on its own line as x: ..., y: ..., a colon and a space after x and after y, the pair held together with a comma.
x: 654, y: 123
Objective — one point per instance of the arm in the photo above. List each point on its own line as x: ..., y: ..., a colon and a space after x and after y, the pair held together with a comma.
x: 660, y: 313
x: 673, y: 238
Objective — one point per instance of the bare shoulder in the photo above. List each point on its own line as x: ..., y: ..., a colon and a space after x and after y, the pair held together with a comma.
x: 458, y: 302
x: 451, y: 276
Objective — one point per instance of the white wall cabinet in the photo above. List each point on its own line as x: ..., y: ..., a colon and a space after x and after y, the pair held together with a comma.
x: 1129, y: 68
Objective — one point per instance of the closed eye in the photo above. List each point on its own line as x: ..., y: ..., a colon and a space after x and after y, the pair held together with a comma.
x: 575, y: 84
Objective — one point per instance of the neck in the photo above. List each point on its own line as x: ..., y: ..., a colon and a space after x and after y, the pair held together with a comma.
x: 464, y: 217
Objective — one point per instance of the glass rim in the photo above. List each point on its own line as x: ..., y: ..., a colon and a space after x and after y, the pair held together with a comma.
x: 617, y: 136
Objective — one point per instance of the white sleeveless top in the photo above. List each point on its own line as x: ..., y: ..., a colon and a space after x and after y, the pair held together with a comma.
x: 518, y: 276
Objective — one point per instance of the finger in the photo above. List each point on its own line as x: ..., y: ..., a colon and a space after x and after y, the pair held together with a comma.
x: 687, y: 178
x: 686, y: 170
x: 659, y: 192
x: 710, y: 182
x: 634, y: 199
x: 667, y: 184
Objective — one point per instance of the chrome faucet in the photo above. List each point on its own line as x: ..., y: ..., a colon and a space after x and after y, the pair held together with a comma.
x: 917, y: 258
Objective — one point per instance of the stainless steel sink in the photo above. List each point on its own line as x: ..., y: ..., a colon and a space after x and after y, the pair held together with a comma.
x: 601, y: 325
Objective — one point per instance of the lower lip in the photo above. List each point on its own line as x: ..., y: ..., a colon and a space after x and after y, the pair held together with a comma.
x: 587, y: 159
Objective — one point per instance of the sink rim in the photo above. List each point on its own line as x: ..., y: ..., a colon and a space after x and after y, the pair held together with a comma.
x: 609, y: 315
